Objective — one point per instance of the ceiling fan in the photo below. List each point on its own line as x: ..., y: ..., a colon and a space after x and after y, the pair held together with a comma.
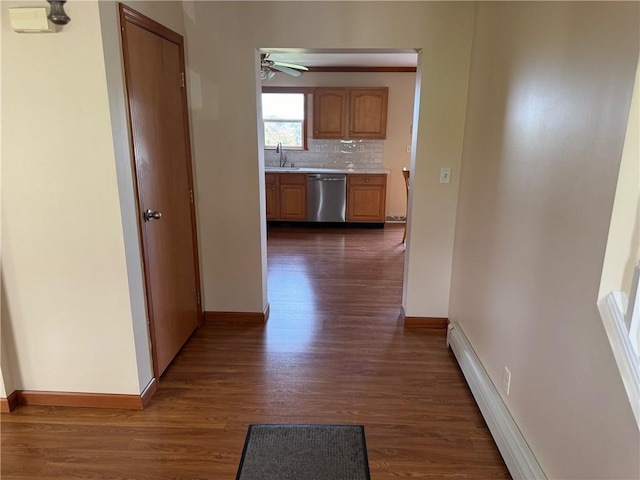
x: 268, y: 68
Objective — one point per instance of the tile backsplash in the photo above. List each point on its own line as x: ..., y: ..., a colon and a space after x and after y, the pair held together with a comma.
x: 332, y: 154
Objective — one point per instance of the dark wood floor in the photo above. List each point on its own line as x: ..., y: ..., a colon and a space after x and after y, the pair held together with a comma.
x: 332, y: 352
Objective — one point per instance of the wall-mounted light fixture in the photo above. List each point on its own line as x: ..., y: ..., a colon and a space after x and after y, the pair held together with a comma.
x: 57, y: 14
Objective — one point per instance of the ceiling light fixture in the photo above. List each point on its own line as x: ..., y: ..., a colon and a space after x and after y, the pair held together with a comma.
x: 266, y: 73
x: 268, y: 68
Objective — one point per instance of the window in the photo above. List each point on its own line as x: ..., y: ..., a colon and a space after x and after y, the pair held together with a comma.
x: 284, y: 116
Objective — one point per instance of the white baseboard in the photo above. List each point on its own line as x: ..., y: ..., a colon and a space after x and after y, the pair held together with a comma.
x: 517, y: 455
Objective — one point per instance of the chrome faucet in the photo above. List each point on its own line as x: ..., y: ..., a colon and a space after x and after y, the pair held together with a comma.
x: 283, y: 157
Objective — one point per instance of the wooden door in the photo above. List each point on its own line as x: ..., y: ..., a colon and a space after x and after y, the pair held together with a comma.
x: 154, y: 66
x: 368, y: 112
x: 329, y: 113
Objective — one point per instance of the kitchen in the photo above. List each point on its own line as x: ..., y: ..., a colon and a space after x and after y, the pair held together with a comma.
x: 345, y: 167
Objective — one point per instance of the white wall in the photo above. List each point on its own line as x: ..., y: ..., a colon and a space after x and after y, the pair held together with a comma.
x: 4, y: 358
x: 623, y: 244
x: 67, y: 319
x: 549, y: 94
x: 7, y: 385
x: 399, y: 119
x: 222, y: 40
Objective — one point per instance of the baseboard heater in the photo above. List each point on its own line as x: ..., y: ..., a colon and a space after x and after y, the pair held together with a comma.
x: 514, y: 449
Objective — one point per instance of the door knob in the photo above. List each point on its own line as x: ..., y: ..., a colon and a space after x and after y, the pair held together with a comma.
x: 151, y: 214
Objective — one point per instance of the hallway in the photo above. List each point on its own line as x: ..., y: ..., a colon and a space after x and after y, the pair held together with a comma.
x: 331, y: 352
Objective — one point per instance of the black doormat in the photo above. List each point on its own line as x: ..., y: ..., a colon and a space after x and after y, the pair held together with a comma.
x: 304, y: 452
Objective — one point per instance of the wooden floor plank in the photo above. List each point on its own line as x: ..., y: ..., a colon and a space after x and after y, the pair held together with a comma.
x: 332, y: 352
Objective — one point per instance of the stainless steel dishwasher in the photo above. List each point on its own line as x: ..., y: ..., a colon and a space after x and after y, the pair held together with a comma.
x: 326, y: 197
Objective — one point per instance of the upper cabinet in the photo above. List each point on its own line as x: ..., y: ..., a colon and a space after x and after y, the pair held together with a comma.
x: 350, y: 113
x: 368, y: 112
x: 330, y: 112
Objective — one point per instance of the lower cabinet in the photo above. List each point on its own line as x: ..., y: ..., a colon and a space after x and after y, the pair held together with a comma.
x: 271, y: 192
x: 366, y: 198
x: 286, y: 196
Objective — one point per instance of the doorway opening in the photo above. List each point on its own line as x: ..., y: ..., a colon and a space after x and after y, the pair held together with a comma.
x: 313, y: 266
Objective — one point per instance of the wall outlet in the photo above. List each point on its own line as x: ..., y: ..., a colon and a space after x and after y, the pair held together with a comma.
x: 362, y: 148
x: 506, y: 381
x: 336, y: 148
x: 318, y: 148
x: 445, y: 175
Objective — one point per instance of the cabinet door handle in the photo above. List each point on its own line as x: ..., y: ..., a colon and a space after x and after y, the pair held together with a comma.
x: 366, y: 180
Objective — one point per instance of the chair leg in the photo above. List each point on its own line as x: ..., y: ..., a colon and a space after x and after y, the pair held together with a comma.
x: 404, y: 234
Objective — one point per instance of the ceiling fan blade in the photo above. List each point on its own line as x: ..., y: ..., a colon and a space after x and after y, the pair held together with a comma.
x: 287, y: 70
x: 290, y: 65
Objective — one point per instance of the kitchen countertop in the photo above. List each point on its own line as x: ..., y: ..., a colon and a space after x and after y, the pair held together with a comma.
x: 364, y: 171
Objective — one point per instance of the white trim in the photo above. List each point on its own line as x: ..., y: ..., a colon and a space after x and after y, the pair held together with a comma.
x: 515, y: 451
x: 632, y: 317
x: 611, y: 310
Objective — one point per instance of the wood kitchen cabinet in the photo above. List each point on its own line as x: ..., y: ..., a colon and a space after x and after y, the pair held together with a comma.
x: 330, y: 113
x: 366, y: 198
x: 350, y: 113
x: 271, y: 191
x: 368, y: 112
x: 286, y: 196
x: 293, y: 197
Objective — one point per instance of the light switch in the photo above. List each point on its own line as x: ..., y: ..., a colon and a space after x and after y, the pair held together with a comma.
x: 445, y: 175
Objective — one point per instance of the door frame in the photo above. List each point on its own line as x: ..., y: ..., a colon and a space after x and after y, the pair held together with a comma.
x: 127, y: 14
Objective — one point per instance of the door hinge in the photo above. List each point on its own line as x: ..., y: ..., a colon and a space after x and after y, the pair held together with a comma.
x: 198, y: 298
x: 182, y: 79
x: 191, y: 196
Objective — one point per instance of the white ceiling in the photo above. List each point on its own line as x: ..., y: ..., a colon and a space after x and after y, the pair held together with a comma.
x: 350, y: 59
